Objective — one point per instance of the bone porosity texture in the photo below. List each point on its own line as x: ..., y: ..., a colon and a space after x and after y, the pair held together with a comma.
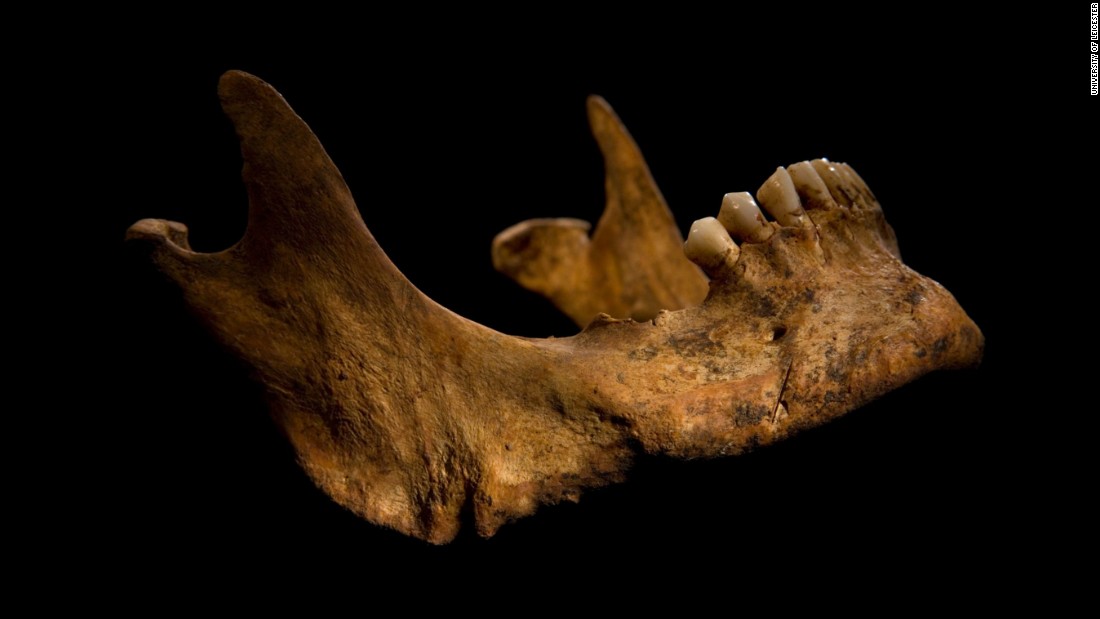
x: 412, y: 416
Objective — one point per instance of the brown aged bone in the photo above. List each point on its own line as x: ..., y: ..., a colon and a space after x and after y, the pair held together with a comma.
x: 634, y: 264
x: 409, y: 415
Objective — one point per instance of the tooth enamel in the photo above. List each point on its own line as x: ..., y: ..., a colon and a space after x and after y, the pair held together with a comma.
x: 833, y: 180
x: 778, y: 195
x: 709, y: 245
x: 814, y: 192
x: 742, y: 218
x: 855, y: 181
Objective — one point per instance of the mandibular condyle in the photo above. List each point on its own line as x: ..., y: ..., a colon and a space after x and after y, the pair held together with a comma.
x: 412, y: 416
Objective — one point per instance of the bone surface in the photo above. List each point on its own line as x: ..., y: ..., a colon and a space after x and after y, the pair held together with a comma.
x: 419, y: 420
x: 606, y: 273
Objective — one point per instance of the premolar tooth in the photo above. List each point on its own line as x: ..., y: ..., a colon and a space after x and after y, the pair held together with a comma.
x: 810, y: 187
x: 742, y: 218
x: 710, y: 246
x: 778, y: 195
x: 836, y: 183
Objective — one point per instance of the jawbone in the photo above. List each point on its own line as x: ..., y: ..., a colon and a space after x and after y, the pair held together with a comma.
x: 410, y: 415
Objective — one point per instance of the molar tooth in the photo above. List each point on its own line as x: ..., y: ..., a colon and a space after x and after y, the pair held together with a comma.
x: 834, y: 180
x: 810, y: 187
x: 710, y: 246
x: 778, y: 195
x: 742, y: 218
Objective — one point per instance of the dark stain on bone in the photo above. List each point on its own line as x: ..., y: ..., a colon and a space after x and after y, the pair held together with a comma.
x: 643, y: 354
x: 746, y: 414
x: 940, y: 346
x: 839, y: 367
x: 696, y: 343
x: 556, y: 404
x: 607, y: 416
x: 715, y: 370
x: 753, y: 442
x: 836, y: 372
x: 761, y: 305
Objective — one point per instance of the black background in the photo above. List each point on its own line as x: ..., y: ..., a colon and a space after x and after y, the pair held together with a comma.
x: 449, y: 135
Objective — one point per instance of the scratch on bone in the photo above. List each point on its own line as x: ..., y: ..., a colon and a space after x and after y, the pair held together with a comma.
x: 782, y: 389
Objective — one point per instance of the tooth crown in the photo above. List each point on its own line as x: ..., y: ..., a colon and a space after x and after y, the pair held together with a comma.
x: 742, y: 218
x: 412, y: 416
